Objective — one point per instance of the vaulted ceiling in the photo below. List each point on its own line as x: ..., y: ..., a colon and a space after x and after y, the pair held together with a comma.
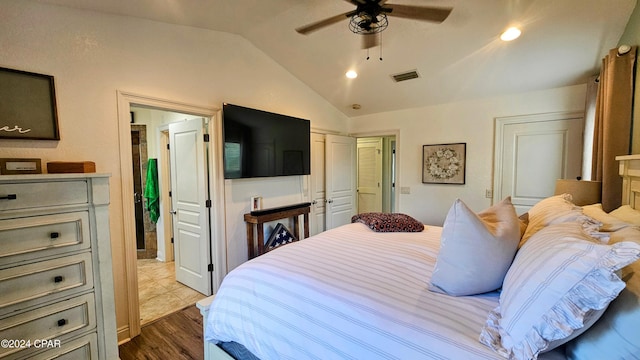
x: 562, y: 43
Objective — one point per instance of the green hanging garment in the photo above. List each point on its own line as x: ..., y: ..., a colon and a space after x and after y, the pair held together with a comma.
x: 151, y: 191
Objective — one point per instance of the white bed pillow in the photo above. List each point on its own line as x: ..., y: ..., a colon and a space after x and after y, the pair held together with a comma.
x: 609, y: 222
x: 627, y: 214
x: 476, y: 250
x: 615, y: 335
x: 558, y: 283
x: 552, y: 210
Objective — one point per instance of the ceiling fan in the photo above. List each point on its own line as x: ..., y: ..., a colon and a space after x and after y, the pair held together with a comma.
x: 370, y: 17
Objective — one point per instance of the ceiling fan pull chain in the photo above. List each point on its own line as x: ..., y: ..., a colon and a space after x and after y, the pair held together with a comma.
x: 367, y: 53
x: 380, y: 46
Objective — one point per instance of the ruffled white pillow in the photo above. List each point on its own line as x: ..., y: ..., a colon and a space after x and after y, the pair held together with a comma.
x: 615, y: 335
x: 559, y: 280
x: 476, y: 250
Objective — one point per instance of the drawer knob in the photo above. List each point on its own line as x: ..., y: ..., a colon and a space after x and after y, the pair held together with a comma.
x: 54, y: 235
x: 9, y: 197
x: 62, y: 322
x: 58, y: 279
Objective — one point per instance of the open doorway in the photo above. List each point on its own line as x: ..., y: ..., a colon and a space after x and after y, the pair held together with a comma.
x: 128, y: 304
x: 159, y: 292
x: 376, y: 173
x: 319, y: 195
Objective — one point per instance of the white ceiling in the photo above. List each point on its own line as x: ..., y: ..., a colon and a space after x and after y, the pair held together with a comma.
x: 563, y: 42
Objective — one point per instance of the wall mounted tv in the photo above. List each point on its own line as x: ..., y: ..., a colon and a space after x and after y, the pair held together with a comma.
x: 260, y: 144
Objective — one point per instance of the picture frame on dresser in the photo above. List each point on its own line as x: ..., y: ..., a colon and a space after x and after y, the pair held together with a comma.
x: 27, y: 106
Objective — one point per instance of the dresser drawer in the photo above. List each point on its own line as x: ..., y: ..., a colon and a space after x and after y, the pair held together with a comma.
x: 59, y: 321
x: 60, y: 276
x: 38, y: 195
x: 84, y: 348
x: 44, y: 235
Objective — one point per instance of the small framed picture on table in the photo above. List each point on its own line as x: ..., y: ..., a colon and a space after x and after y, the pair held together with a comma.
x: 256, y: 203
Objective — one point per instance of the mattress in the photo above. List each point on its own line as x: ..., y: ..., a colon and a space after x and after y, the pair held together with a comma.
x: 349, y: 293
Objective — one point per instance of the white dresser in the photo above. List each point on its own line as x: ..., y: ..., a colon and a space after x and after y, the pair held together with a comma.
x: 56, y: 279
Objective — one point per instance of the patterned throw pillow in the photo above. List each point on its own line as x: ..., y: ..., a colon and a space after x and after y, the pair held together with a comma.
x: 389, y: 222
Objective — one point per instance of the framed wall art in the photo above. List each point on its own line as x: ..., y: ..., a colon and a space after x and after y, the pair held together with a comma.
x: 444, y: 163
x: 27, y: 106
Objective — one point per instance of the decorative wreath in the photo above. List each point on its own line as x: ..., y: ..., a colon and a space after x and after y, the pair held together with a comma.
x: 443, y: 164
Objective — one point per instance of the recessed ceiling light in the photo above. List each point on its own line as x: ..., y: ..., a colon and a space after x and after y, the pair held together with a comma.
x: 351, y: 74
x: 511, y: 33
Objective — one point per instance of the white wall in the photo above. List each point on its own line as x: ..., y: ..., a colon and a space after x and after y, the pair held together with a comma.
x: 91, y: 56
x: 471, y: 122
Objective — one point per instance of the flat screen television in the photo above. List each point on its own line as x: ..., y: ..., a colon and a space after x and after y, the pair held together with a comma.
x: 262, y: 144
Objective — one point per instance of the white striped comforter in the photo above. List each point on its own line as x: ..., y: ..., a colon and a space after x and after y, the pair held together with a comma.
x: 348, y: 293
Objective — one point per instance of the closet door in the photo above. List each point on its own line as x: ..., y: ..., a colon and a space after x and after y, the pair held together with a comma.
x: 340, y: 158
x: 317, y: 184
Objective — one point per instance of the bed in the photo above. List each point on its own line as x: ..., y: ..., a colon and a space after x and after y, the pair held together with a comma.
x: 356, y: 293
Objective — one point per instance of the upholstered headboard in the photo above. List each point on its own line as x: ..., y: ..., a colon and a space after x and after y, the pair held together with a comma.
x: 630, y: 172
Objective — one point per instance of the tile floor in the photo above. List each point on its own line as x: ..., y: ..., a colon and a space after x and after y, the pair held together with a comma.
x: 160, y: 294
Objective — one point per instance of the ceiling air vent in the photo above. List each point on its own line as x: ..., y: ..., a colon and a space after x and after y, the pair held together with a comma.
x: 407, y: 75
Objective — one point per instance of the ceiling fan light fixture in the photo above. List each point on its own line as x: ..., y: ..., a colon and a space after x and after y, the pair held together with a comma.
x: 510, y: 34
x: 365, y: 23
x: 351, y: 74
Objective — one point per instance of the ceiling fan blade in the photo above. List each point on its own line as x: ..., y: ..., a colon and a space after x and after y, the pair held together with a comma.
x: 434, y: 14
x: 322, y: 23
x: 356, y: 2
x: 370, y: 40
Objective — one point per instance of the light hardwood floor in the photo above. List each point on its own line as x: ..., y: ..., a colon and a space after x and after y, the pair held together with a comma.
x: 160, y: 294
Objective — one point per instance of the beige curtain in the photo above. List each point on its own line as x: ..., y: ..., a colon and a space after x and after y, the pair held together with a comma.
x: 612, y: 132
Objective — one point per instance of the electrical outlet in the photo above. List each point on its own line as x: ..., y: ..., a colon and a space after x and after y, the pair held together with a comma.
x: 488, y: 193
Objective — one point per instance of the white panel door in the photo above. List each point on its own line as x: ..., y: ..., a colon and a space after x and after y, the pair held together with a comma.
x: 532, y: 152
x: 369, y: 176
x: 340, y: 158
x: 189, y: 176
x: 317, y: 216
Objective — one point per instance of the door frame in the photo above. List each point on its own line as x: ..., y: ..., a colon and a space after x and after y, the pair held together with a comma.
x: 385, y: 133
x: 216, y: 184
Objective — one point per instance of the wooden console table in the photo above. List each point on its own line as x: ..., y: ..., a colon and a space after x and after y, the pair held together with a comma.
x: 259, y: 217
